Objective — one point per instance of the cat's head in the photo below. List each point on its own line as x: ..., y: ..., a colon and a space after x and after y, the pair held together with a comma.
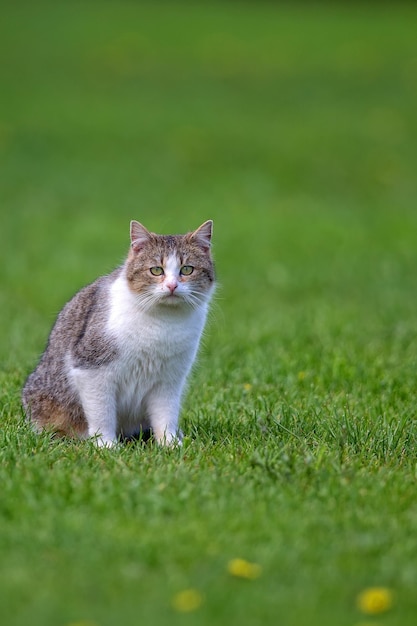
x: 170, y: 270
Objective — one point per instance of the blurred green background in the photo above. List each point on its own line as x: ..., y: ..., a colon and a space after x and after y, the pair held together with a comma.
x: 294, y: 127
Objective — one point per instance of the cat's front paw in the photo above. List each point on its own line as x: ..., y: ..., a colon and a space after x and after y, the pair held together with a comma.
x: 170, y: 439
x: 104, y: 442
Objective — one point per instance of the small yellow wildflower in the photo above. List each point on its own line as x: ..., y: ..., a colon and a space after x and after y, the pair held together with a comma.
x: 247, y: 386
x: 301, y: 375
x: 375, y: 600
x: 243, y: 569
x: 187, y: 600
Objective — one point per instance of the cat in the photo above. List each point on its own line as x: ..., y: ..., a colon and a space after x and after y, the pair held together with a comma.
x: 118, y: 356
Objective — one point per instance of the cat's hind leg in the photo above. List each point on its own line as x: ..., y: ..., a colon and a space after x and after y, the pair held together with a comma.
x: 46, y: 413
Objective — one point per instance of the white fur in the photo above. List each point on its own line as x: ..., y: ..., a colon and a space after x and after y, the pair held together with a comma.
x: 156, y: 348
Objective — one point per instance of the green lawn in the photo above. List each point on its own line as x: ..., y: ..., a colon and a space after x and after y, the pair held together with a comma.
x: 294, y: 127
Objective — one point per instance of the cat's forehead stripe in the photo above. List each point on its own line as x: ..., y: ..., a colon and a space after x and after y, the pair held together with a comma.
x: 171, y: 264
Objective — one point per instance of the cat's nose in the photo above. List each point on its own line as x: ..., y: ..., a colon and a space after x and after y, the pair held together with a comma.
x: 172, y: 285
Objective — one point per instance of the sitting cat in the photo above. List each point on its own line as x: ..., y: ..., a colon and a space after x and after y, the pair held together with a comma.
x: 119, y: 353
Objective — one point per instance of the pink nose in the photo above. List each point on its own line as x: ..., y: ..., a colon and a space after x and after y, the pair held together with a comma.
x: 172, y: 285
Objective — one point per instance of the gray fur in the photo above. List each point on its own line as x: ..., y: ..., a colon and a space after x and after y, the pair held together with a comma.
x: 80, y: 331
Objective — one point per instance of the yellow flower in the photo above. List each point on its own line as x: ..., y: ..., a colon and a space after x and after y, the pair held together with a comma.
x: 243, y: 569
x: 187, y: 600
x: 247, y: 386
x: 375, y: 600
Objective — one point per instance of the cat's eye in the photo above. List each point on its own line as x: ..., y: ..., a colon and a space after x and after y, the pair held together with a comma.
x: 156, y: 271
x: 186, y: 270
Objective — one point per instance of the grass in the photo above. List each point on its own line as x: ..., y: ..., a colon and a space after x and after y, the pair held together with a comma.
x: 294, y: 128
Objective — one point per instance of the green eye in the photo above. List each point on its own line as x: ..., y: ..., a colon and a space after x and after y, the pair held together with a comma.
x: 186, y: 270
x: 156, y: 271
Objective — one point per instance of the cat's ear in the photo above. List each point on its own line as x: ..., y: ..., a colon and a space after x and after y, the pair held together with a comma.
x: 139, y: 235
x: 202, y: 236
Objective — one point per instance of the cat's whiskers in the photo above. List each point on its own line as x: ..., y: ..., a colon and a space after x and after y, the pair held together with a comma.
x: 146, y: 300
x: 190, y: 294
x: 195, y: 298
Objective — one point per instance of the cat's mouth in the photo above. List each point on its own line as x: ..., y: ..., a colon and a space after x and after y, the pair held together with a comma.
x: 171, y: 298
